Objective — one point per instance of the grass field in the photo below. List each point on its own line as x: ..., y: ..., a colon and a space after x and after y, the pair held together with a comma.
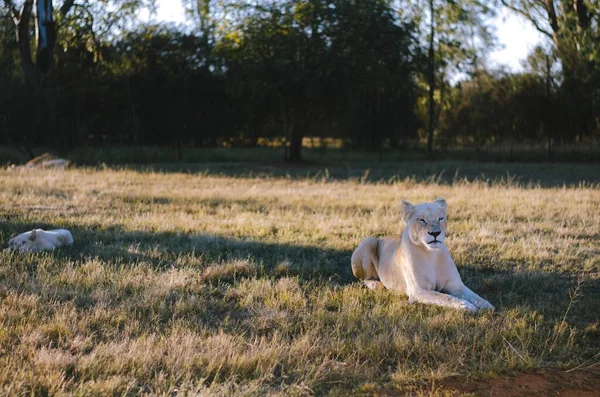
x: 220, y: 282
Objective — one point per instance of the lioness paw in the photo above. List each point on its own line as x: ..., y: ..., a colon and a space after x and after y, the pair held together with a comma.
x: 468, y: 307
x: 484, y: 305
x: 372, y: 284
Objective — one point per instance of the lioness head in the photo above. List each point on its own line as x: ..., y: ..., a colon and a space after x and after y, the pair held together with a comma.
x: 426, y: 222
x: 23, y: 242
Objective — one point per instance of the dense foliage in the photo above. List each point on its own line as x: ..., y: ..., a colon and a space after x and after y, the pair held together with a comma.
x: 375, y: 74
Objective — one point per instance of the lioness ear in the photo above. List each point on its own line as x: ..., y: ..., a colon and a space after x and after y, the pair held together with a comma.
x: 407, y: 209
x: 442, y: 203
x: 33, y: 235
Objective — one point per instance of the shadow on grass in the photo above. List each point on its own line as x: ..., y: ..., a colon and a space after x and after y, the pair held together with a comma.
x: 445, y: 172
x: 550, y: 294
x: 160, y: 250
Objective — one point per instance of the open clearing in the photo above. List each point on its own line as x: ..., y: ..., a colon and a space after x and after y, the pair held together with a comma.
x: 212, y: 283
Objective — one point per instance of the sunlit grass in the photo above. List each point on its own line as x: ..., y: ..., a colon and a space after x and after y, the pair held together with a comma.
x: 213, y: 284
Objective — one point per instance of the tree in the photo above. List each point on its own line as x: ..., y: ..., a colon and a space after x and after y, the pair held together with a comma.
x: 270, y: 51
x: 373, y: 74
x: 542, y: 62
x: 556, y: 19
x: 318, y: 65
x: 48, y: 99
x: 573, y: 28
x: 47, y: 22
x: 431, y: 76
x: 45, y: 28
x: 457, y: 38
x: 170, y: 88
x: 507, y: 108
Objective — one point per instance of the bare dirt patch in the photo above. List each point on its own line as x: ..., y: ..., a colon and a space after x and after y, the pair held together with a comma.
x: 580, y: 383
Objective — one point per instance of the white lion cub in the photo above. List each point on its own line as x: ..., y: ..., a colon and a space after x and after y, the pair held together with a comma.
x: 38, y: 240
x: 418, y: 264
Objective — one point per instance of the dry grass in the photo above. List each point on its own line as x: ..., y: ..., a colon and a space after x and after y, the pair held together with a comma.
x: 216, y: 285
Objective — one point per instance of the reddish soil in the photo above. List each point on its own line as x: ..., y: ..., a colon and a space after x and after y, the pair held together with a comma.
x: 577, y: 383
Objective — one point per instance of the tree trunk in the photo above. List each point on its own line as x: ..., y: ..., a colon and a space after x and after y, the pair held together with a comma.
x: 136, y: 124
x: 46, y: 31
x: 431, y: 78
x: 179, y: 149
x: 295, y: 149
x: 22, y: 23
x: 552, y: 18
x: 548, y: 128
x: 45, y: 37
x: 583, y: 16
x: 285, y: 130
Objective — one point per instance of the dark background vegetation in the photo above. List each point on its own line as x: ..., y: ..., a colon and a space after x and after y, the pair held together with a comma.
x: 373, y: 75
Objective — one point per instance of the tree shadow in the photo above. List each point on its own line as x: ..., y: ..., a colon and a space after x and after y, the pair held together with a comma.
x: 546, y: 292
x: 160, y: 251
x: 205, y: 302
x: 444, y: 172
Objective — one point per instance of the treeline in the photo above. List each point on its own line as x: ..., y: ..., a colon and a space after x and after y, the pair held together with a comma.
x: 375, y: 74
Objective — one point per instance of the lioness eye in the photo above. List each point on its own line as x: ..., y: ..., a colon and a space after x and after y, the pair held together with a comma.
x: 441, y: 219
x: 422, y: 220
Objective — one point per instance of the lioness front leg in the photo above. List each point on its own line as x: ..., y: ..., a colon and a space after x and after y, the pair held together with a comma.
x: 440, y: 299
x: 462, y: 292
x: 373, y: 284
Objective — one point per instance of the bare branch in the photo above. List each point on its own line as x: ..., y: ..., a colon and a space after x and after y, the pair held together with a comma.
x: 529, y: 17
x: 552, y: 15
x: 66, y: 7
x: 90, y: 21
x: 26, y: 10
x: 14, y: 12
x: 23, y: 38
x: 583, y: 15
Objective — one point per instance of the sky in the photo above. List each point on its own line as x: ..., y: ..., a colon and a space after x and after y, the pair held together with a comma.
x: 515, y: 35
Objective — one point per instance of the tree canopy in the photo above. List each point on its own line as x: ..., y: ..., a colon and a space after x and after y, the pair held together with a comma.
x: 375, y: 74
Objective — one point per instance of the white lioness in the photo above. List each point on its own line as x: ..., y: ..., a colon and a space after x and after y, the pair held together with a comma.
x: 38, y: 240
x: 418, y: 264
